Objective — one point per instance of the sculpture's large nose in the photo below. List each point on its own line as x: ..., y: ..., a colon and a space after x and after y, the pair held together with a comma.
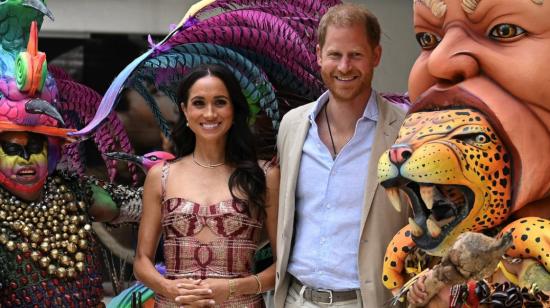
x: 399, y: 153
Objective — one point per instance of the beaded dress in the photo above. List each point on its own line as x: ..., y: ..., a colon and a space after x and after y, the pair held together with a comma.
x: 230, y: 255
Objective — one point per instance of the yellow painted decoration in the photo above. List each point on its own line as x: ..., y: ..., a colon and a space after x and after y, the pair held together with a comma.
x: 394, y: 260
x: 531, y: 239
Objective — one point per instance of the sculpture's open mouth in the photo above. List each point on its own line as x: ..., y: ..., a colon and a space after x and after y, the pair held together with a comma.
x: 437, y: 208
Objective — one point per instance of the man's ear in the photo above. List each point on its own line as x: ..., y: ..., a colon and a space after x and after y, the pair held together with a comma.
x: 318, y: 53
x: 377, y: 55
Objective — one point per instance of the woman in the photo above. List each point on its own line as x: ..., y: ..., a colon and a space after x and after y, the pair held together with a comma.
x: 210, y: 203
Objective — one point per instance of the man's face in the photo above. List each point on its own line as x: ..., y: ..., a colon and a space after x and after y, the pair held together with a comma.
x: 23, y: 163
x: 494, y: 57
x: 347, y: 62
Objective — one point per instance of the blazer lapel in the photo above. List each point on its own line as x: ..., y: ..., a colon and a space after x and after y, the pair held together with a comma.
x: 385, y: 134
x: 294, y: 158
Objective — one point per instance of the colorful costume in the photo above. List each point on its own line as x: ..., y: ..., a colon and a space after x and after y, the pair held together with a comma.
x: 45, y: 260
x: 467, y: 158
x: 48, y: 252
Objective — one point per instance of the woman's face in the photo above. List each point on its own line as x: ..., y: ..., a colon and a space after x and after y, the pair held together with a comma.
x: 209, y: 110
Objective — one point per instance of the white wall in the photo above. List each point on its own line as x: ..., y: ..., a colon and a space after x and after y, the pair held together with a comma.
x: 399, y: 47
x: 81, y: 17
x: 78, y: 18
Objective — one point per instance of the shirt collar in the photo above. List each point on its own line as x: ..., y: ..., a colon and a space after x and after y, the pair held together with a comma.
x: 370, y: 113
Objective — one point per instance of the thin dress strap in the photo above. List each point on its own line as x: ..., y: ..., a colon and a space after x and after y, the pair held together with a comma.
x: 163, y: 179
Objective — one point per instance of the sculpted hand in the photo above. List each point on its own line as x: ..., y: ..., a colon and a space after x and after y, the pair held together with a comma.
x: 219, y: 287
x: 188, y: 292
x: 417, y: 294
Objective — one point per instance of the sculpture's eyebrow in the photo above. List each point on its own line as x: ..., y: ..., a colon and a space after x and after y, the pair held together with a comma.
x: 470, y: 6
x: 438, y: 7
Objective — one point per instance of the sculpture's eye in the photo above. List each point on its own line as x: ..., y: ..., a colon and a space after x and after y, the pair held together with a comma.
x: 481, y: 138
x: 475, y: 139
x: 427, y: 40
x: 506, y: 32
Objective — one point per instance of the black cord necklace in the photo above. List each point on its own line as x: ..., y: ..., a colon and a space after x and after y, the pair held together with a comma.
x: 330, y: 133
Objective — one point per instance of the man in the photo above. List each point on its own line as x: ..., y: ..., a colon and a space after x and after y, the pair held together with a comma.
x: 334, y: 220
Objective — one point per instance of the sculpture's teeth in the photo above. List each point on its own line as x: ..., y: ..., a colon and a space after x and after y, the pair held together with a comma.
x: 393, y: 195
x: 433, y: 228
x: 427, y: 194
x: 416, y: 230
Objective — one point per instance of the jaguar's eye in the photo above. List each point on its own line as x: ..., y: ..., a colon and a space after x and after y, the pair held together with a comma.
x: 474, y: 139
x: 506, y: 32
x: 427, y: 40
x: 481, y: 138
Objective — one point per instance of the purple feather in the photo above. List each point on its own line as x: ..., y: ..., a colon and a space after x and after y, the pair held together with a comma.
x: 82, y: 102
x: 249, y: 38
x: 243, y: 37
x: 401, y: 100
x: 110, y: 98
x: 305, y: 25
x: 312, y: 7
x: 269, y: 23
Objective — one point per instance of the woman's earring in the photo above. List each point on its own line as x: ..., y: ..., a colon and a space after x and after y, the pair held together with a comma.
x: 187, y: 124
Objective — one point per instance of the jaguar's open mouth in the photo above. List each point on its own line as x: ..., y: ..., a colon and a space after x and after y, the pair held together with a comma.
x: 437, y: 208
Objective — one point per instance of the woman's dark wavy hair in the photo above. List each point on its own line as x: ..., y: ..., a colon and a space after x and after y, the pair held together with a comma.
x: 240, y: 151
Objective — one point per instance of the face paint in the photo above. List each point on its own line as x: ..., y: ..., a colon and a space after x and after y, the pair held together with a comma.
x: 23, y: 163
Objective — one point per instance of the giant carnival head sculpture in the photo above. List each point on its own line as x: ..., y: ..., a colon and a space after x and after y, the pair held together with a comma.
x: 480, y: 119
x: 472, y: 151
x: 491, y: 56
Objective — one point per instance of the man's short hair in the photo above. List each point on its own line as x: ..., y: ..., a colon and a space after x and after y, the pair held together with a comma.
x: 348, y: 14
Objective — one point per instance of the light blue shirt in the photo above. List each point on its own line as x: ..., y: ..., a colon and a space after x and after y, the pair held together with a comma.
x: 329, y: 204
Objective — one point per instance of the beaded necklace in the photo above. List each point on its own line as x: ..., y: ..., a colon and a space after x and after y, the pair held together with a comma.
x: 53, y: 229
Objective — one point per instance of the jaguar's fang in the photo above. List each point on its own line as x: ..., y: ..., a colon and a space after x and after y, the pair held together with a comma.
x: 393, y: 195
x: 433, y: 228
x: 416, y: 230
x: 427, y: 194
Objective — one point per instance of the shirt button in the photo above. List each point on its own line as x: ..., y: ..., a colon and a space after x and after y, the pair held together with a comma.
x: 328, y: 206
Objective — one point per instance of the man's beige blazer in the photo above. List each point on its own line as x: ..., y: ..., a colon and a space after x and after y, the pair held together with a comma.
x: 379, y: 220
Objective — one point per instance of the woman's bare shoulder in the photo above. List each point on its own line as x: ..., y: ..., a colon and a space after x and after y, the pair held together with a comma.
x: 268, y: 165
